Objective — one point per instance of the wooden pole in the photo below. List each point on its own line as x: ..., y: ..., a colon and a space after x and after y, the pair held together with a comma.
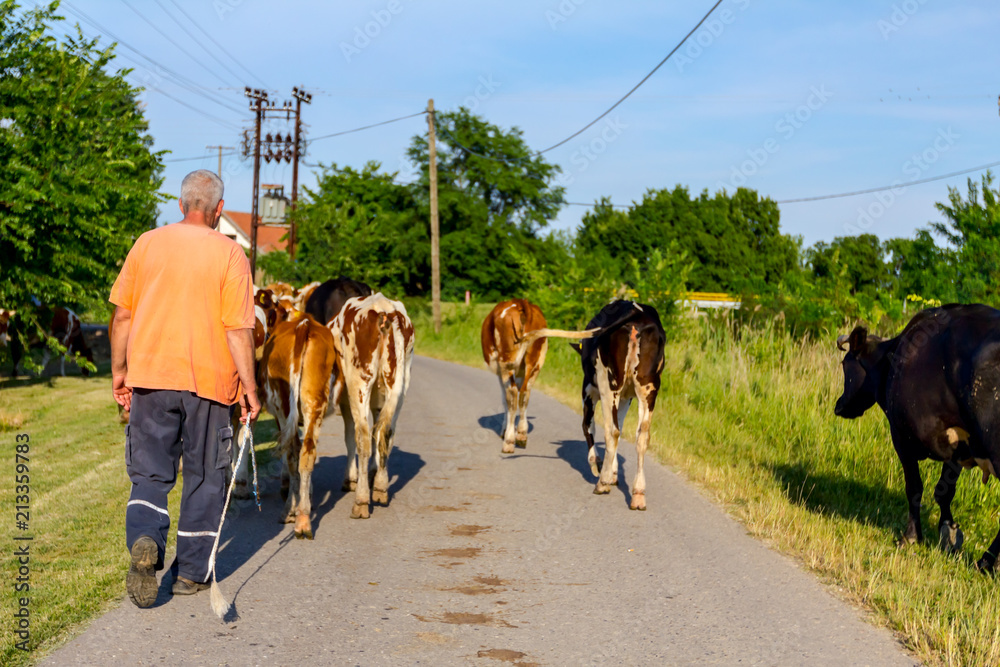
x: 219, y: 172
x: 435, y: 231
x: 256, y: 187
x: 300, y: 96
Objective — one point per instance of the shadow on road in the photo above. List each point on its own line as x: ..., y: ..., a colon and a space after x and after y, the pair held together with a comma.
x: 823, y: 493
x: 574, y: 452
x: 496, y: 423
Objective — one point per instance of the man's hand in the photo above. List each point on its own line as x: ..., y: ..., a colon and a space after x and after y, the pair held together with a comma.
x: 250, y: 407
x: 123, y: 394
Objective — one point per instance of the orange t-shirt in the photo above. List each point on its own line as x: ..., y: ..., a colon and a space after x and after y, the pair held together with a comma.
x: 186, y: 285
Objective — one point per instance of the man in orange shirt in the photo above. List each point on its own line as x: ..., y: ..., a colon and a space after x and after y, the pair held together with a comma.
x: 181, y: 356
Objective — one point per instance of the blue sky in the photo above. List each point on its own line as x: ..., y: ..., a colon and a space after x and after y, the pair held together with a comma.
x: 791, y: 98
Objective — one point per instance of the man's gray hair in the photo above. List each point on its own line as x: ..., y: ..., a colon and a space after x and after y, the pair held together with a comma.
x: 201, y: 190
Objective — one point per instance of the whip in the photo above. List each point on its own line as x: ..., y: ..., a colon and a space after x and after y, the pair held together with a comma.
x: 220, y: 605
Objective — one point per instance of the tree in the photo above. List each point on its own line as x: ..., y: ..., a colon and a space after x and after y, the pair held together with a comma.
x: 361, y: 224
x: 919, y: 266
x: 973, y: 229
x: 492, y: 209
x: 860, y: 259
x: 79, y: 181
x: 734, y: 242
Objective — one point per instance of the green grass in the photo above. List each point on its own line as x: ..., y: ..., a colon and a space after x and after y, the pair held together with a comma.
x: 751, y: 422
x: 78, y: 492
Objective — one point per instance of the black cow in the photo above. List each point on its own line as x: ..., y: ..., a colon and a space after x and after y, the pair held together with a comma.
x: 623, y: 361
x: 938, y: 384
x: 328, y: 299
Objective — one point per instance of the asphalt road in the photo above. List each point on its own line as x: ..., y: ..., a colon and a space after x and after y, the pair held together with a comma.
x: 488, y: 559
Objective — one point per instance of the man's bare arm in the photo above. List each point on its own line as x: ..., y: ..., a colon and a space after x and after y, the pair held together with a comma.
x: 241, y: 348
x: 119, y: 351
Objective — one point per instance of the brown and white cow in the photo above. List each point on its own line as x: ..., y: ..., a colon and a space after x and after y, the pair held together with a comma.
x: 5, y: 317
x: 293, y: 379
x: 622, y: 362
x: 515, y: 341
x: 64, y: 326
x: 374, y: 340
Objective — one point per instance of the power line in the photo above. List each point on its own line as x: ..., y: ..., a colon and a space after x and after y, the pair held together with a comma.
x: 200, y: 157
x: 218, y: 45
x: 197, y: 41
x: 606, y: 112
x: 889, y: 187
x: 366, y: 127
x: 636, y: 87
x: 172, y: 41
x: 181, y: 80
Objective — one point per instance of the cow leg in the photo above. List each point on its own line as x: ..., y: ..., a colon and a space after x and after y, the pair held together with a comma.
x: 351, y: 470
x: 291, y: 459
x: 589, y: 400
x: 611, y: 433
x: 46, y: 355
x: 949, y: 534
x: 914, y: 492
x: 511, y: 398
x: 620, y: 418
x: 363, y: 438
x: 521, y: 439
x: 307, y: 461
x: 641, y: 445
x: 385, y: 431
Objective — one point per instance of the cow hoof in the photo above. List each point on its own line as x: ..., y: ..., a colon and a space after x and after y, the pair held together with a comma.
x: 380, y: 497
x: 348, y: 485
x: 905, y: 541
x: 287, y: 518
x: 638, y: 502
x: 359, y: 511
x: 521, y: 442
x: 303, y: 529
x: 950, y: 537
x: 601, y: 489
x: 508, y: 448
x: 614, y: 479
x: 986, y: 564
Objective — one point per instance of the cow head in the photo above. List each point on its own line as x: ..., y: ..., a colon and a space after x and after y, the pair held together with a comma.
x: 5, y: 316
x: 862, y: 372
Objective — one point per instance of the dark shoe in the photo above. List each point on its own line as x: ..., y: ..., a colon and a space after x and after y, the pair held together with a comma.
x: 140, y: 582
x: 184, y: 586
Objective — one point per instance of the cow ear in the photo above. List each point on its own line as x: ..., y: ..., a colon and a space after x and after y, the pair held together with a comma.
x: 857, y: 339
x: 577, y: 347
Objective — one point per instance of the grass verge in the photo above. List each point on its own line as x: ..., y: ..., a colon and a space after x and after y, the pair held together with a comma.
x: 751, y: 422
x: 78, y: 491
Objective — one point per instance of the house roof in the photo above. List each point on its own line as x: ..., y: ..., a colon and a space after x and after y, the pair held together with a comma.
x: 269, y: 237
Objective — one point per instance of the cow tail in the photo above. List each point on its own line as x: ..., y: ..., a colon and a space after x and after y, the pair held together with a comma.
x: 517, y: 324
x: 632, y: 357
x: 291, y: 425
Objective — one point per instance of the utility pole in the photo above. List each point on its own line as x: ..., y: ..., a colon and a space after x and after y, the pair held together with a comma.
x: 219, y: 172
x: 300, y: 97
x: 435, y: 231
x: 258, y: 101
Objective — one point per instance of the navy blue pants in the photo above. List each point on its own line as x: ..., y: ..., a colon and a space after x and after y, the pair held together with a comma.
x: 163, y: 425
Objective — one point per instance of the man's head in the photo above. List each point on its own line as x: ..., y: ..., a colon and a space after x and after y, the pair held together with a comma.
x: 201, y: 192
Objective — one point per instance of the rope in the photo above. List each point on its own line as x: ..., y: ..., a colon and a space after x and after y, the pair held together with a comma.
x: 220, y: 605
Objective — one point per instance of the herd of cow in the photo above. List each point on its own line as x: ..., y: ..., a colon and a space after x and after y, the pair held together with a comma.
x: 339, y: 345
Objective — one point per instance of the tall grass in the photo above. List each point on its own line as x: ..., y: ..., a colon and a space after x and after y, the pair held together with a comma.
x: 747, y: 414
